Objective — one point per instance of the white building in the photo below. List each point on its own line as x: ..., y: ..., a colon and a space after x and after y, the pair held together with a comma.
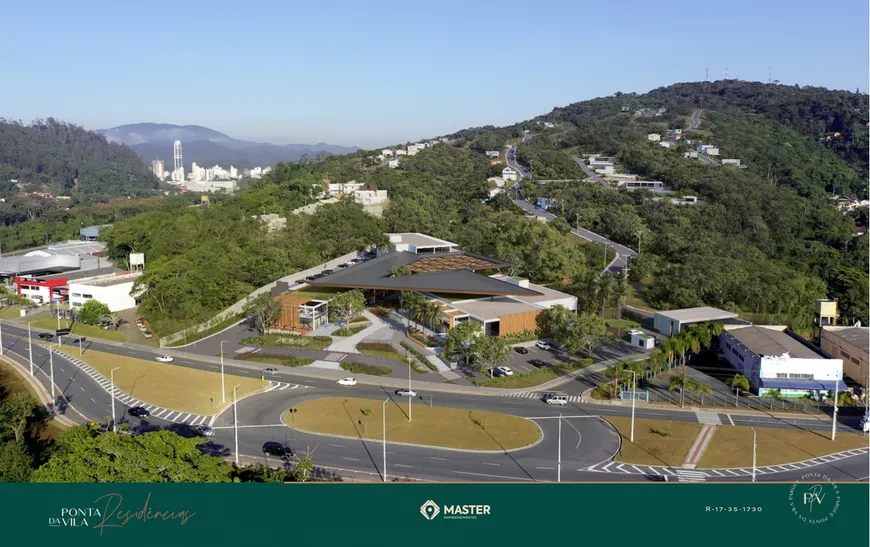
x: 386, y: 152
x: 112, y: 290
x: 735, y: 162
x: 771, y: 359
x: 671, y: 322
x: 368, y: 196
x: 690, y: 154
x: 595, y: 161
x: 498, y: 182
x: 654, y: 137
x: 641, y: 339
x: 665, y: 144
x: 492, y: 153
x: 157, y: 168
x: 509, y: 173
x: 708, y: 149
x: 401, y: 152
x: 393, y: 163
x: 273, y: 222
x: 549, y: 125
x: 494, y: 191
x: 712, y: 151
x: 414, y: 148
x: 604, y: 169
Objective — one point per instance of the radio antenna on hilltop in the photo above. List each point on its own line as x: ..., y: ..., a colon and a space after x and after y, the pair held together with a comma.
x: 707, y: 75
x: 769, y: 74
x: 726, y: 73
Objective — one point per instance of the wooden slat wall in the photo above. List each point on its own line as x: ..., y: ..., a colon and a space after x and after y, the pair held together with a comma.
x: 518, y: 322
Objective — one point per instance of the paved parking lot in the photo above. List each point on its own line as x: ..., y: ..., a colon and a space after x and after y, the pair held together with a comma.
x: 520, y: 363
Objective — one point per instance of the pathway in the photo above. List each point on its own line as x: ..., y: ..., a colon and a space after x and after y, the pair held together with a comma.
x: 348, y: 345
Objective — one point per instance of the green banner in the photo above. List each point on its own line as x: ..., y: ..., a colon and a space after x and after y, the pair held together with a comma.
x: 812, y: 510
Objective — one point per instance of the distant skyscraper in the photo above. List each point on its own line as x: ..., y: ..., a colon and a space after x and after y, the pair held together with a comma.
x: 157, y: 168
x: 178, y: 171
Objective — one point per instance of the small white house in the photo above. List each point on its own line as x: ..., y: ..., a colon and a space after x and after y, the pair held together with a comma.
x: 498, y: 182
x: 654, y: 137
x: 712, y: 151
x: 509, y: 173
x: 387, y: 152
x: 600, y: 160
x: 548, y: 125
x: 708, y: 149
x: 604, y: 169
x: 665, y: 144
x: 692, y: 154
x: 494, y: 191
x: 642, y: 340
x: 734, y: 162
x: 414, y: 148
x: 393, y: 163
x: 492, y: 153
x: 401, y: 152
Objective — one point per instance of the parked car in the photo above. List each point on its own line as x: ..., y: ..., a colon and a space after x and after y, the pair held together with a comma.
x: 326, y: 272
x: 503, y: 371
x: 147, y: 334
x: 521, y: 350
x: 204, y: 430
x: 542, y: 345
x: 341, y: 265
x: 311, y: 278
x: 538, y: 363
x: 272, y: 448
x: 347, y: 382
x: 46, y: 336
x: 165, y: 359
x: 139, y: 412
x: 141, y: 320
x: 270, y: 370
x: 406, y: 393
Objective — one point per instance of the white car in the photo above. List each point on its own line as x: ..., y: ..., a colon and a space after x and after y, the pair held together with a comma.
x: 503, y: 371
x: 204, y: 430
x: 347, y: 382
x: 270, y: 370
x: 165, y: 359
x: 406, y: 393
x: 542, y: 345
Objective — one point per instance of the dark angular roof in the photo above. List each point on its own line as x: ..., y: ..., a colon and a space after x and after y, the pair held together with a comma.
x: 377, y: 274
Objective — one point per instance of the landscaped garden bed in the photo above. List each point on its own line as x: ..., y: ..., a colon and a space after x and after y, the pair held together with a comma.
x: 349, y: 331
x: 421, y: 337
x: 289, y: 341
x: 420, y: 357
x: 362, y: 368
x: 386, y: 351
x: 283, y: 360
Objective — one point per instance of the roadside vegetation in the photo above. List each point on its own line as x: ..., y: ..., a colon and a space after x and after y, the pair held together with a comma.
x: 283, y: 360
x: 362, y: 368
x: 289, y: 341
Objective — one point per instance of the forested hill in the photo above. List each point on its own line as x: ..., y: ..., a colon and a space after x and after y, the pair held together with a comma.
x: 64, y: 159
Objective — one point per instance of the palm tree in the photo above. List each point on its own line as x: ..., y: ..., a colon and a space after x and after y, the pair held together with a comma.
x: 703, y: 388
x: 605, y: 291
x: 739, y: 382
x: 433, y: 312
x: 671, y: 347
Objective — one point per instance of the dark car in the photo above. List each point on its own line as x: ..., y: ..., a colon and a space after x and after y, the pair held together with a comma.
x: 139, y: 412
x: 326, y: 272
x: 538, y: 363
x: 311, y: 278
x: 521, y: 350
x: 46, y: 336
x: 272, y: 448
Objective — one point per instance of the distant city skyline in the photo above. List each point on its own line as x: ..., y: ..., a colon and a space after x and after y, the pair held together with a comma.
x: 386, y: 73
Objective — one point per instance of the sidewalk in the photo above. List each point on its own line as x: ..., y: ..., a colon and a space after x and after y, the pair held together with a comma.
x: 348, y: 345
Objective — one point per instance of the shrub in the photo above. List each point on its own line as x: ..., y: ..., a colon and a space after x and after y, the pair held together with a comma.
x: 420, y: 357
x: 380, y: 311
x: 525, y: 336
x: 349, y: 331
x: 421, y: 337
x: 362, y: 368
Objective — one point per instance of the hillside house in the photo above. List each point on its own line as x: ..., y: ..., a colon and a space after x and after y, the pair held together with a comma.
x: 509, y: 173
x: 734, y: 162
x: 654, y: 137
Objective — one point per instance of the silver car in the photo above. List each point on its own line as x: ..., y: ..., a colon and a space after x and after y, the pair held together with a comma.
x: 270, y: 370
x: 204, y: 430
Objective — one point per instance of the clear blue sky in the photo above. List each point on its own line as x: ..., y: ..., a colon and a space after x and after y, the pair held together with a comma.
x: 371, y: 73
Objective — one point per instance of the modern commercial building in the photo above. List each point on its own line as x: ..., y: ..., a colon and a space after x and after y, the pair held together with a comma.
x: 442, y: 274
x: 641, y: 184
x: 66, y: 256
x: 671, y: 322
x: 115, y: 291
x: 178, y: 163
x: 771, y: 359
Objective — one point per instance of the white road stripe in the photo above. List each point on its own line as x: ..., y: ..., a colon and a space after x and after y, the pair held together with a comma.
x: 338, y: 445
x: 729, y: 419
x: 548, y: 468
x: 636, y: 469
x: 434, y: 458
x: 187, y: 417
x: 654, y: 472
x: 493, y: 476
x: 400, y: 465
x: 487, y: 463
x: 357, y: 459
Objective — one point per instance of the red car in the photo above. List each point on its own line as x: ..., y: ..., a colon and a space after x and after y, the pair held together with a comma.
x: 142, y: 320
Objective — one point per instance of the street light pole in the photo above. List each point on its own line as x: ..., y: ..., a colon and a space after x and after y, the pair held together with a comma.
x: 834, y: 414
x: 753, y: 454
x: 1, y: 337
x: 236, y: 423
x: 559, y: 464
x: 633, y: 399
x: 30, y: 348
x: 384, y: 414
x: 223, y: 387
x: 410, y: 397
x: 112, y: 395
x: 80, y: 346
x: 51, y: 372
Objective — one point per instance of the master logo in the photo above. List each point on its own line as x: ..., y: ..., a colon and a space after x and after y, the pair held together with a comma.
x: 430, y: 510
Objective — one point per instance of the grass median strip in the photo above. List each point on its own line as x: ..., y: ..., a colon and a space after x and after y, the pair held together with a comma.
x: 167, y: 385
x: 289, y: 341
x: 362, y: 368
x: 656, y: 442
x: 420, y: 357
x: 436, y: 426
x: 731, y: 446
x: 80, y: 329
x: 283, y: 360
x: 349, y: 331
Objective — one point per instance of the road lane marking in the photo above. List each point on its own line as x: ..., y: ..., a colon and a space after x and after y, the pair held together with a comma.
x: 487, y: 463
x: 92, y: 400
x: 400, y: 465
x: 434, y: 458
x: 557, y: 417
x: 357, y: 459
x: 338, y: 445
x: 548, y: 468
x: 729, y: 419
x: 494, y: 476
x: 81, y: 388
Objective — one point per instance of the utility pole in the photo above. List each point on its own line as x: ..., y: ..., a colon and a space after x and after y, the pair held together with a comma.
x: 223, y: 387
x: 559, y: 464
x: 30, y: 348
x: 51, y: 372
x: 410, y: 397
x: 236, y: 422
x: 384, y: 413
x: 753, y: 454
x: 1, y: 338
x: 834, y: 414
x: 633, y: 398
x: 112, y: 395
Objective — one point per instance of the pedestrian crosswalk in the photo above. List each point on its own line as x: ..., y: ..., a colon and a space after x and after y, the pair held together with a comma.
x: 539, y: 395
x: 708, y: 418
x: 689, y: 475
x: 281, y: 386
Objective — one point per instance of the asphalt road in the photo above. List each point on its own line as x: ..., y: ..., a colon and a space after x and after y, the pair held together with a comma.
x: 592, y: 174
x: 586, y: 440
x: 696, y: 119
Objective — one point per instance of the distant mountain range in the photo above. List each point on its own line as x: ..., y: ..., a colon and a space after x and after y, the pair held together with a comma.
x: 207, y: 147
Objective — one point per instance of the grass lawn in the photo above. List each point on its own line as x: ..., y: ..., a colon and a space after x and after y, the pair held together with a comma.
x: 634, y: 296
x: 362, y: 368
x: 456, y: 297
x: 731, y: 446
x: 14, y: 383
x: 194, y: 336
x: 532, y: 378
x: 80, y: 329
x: 437, y: 426
x: 575, y: 239
x: 349, y: 331
x: 10, y: 313
x: 289, y: 341
x: 283, y: 360
x: 319, y: 293
x: 170, y: 386
x: 379, y: 349
x: 650, y: 448
x: 624, y: 324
